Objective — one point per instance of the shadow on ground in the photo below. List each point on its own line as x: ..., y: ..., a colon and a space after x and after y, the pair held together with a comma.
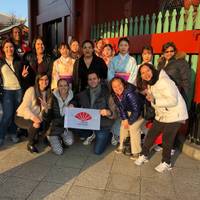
x: 81, y: 175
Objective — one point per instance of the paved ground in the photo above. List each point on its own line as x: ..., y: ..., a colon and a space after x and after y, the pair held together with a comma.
x: 80, y: 175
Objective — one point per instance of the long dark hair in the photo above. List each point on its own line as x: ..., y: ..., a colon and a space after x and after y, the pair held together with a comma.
x: 91, y: 43
x: 88, y: 41
x: 142, y: 83
x: 34, y: 42
x: 38, y: 93
x: 11, y: 32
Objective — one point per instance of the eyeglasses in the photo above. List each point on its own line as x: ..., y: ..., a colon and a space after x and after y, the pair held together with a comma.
x: 171, y: 51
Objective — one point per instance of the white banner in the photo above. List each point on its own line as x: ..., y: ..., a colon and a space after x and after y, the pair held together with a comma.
x: 82, y: 118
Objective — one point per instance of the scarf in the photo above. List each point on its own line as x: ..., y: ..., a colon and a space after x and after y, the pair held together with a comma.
x: 94, y: 93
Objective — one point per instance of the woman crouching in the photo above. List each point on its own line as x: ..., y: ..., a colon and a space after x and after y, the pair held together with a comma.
x: 59, y: 136
x: 30, y: 113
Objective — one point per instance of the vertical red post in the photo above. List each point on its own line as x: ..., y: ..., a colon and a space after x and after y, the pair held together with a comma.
x: 32, y: 11
x: 87, y: 19
x: 197, y: 81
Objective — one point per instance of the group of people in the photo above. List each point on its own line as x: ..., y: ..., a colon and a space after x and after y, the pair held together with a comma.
x: 36, y: 90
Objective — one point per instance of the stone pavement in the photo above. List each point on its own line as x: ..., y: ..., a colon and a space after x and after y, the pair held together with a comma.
x: 81, y: 175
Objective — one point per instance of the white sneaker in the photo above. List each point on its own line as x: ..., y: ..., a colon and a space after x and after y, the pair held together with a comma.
x: 89, y: 139
x: 173, y: 152
x: 142, y: 159
x: 157, y: 148
x: 163, y: 166
x: 114, y: 141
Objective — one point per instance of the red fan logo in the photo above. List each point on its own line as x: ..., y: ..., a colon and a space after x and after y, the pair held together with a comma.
x: 83, y: 116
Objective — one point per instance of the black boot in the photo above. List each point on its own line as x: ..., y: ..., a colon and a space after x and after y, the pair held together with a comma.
x: 32, y: 148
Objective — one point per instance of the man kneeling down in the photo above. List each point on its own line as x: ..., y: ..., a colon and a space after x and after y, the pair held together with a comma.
x: 97, y: 96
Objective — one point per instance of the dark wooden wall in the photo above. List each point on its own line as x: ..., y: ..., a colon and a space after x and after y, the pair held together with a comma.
x: 75, y: 17
x: 53, y: 19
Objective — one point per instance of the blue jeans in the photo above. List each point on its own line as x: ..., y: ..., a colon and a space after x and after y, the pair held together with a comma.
x: 11, y: 101
x: 102, y: 140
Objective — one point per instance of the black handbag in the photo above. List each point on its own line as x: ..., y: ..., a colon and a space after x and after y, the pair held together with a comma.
x: 148, y: 111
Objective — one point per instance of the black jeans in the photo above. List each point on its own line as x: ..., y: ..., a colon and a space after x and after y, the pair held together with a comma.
x: 28, y: 125
x: 169, y: 131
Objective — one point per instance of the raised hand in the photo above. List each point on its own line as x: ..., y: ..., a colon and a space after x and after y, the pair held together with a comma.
x: 36, y: 120
x: 44, y: 104
x: 25, y: 71
x: 149, y: 97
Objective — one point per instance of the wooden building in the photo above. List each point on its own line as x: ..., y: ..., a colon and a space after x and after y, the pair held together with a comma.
x: 58, y: 20
x: 174, y: 20
x: 52, y: 19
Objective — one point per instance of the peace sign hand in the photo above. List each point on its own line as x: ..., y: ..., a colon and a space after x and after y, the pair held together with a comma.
x: 25, y: 71
x: 44, y: 104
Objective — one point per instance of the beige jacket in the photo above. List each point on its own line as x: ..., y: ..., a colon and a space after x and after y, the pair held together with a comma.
x: 62, y: 68
x: 28, y: 108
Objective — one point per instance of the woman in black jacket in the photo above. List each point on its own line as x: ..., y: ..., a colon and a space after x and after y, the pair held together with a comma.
x: 58, y: 134
x: 87, y: 62
x: 130, y: 104
x: 177, y: 68
x: 38, y: 61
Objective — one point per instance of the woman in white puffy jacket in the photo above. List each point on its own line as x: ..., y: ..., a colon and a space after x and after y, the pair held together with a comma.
x: 170, y: 112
